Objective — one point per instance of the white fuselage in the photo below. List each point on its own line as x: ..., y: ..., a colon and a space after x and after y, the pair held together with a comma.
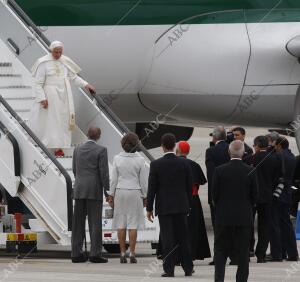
x: 219, y: 73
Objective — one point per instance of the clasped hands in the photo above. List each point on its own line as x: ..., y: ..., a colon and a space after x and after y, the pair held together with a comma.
x: 110, y: 201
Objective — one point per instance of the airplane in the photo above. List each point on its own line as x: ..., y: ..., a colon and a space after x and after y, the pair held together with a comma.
x: 184, y: 63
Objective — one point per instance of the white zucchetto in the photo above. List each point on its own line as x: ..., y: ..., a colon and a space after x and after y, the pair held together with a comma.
x: 56, y: 44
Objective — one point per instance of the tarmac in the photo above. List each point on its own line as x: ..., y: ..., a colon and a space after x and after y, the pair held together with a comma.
x: 147, y: 269
x: 56, y: 265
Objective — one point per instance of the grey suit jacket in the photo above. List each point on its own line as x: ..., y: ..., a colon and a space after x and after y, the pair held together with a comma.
x: 90, y: 167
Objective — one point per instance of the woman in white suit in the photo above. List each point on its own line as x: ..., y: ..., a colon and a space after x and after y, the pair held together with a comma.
x: 128, y: 192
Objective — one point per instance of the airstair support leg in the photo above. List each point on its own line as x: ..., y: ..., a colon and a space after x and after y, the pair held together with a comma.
x: 10, y: 161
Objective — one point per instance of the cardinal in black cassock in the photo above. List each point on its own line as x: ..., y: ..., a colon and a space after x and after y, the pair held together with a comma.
x: 198, y: 236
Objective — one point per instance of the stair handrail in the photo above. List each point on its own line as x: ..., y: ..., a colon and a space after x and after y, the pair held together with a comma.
x: 29, y: 23
x: 16, y: 149
x: 100, y: 102
x: 53, y: 159
x: 119, y: 123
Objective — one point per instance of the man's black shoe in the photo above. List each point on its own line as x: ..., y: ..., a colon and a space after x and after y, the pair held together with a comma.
x: 167, y: 275
x: 252, y: 254
x: 212, y: 263
x: 190, y: 273
x: 79, y: 259
x: 274, y: 259
x: 293, y: 259
x: 261, y: 260
x: 98, y: 259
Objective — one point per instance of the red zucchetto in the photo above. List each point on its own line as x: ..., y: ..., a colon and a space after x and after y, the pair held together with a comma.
x: 184, y: 147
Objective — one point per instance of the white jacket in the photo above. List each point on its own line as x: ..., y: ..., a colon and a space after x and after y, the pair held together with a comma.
x: 129, y: 172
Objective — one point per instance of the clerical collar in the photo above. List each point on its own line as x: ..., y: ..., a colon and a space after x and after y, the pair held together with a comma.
x: 236, y: 159
x: 169, y: 153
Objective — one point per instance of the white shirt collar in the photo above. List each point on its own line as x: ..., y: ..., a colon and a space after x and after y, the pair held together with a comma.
x: 92, y: 141
x: 219, y: 141
x: 236, y: 159
x: 169, y: 153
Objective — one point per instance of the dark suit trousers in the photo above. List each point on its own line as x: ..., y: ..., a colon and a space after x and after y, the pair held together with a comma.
x: 175, y: 240
x: 283, y: 239
x: 93, y: 210
x: 228, y: 238
x: 252, y: 242
x: 212, y: 214
x: 264, y: 219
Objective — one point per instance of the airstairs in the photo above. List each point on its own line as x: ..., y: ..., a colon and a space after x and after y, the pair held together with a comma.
x: 27, y: 169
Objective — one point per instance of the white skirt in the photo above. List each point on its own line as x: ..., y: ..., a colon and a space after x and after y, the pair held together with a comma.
x: 128, y: 210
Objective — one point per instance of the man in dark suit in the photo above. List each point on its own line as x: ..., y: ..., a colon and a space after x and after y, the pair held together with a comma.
x: 267, y: 168
x: 215, y: 156
x: 234, y: 193
x: 296, y: 195
x: 90, y: 167
x: 239, y: 133
x: 170, y: 185
x: 283, y: 239
x: 272, y: 137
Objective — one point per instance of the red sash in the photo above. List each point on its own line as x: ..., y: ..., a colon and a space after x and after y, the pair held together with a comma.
x: 195, y: 189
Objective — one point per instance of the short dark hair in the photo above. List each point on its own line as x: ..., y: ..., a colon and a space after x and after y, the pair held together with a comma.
x: 168, y: 140
x: 94, y: 133
x: 240, y: 129
x: 130, y: 142
x: 283, y: 142
x: 261, y: 141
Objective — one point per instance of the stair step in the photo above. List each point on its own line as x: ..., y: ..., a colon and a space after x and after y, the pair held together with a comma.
x: 65, y: 157
x: 5, y: 75
x: 6, y: 68
x: 16, y: 92
x: 69, y: 152
x: 16, y: 87
x: 23, y: 104
x: 19, y: 98
x: 19, y: 110
x: 65, y: 162
x: 5, y: 64
x: 68, y: 169
x: 24, y: 114
x: 8, y: 80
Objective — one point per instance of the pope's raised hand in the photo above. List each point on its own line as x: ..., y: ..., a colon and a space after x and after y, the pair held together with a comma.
x: 91, y: 89
x: 44, y: 104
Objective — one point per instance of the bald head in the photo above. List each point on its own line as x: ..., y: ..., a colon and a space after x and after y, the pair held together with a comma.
x: 94, y: 133
x: 236, y: 149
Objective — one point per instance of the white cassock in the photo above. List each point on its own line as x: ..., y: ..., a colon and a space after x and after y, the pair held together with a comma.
x: 54, y: 125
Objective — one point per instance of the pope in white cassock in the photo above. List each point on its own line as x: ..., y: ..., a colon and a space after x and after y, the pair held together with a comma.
x: 53, y: 115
